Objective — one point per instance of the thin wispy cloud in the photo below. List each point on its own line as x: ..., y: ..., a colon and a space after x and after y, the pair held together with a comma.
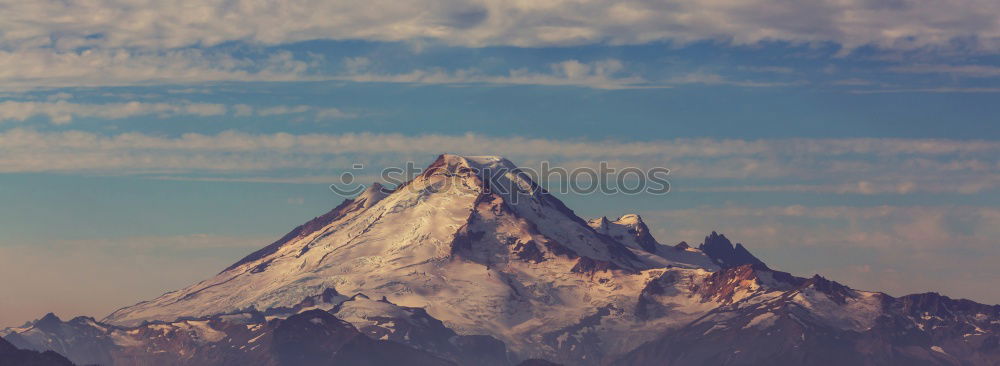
x: 860, y: 187
x: 607, y: 74
x: 959, y: 90
x: 233, y: 141
x: 846, y: 166
x: 63, y: 112
x: 869, y: 226
x: 46, y: 68
x: 976, y: 71
x: 700, y: 77
x: 320, y: 113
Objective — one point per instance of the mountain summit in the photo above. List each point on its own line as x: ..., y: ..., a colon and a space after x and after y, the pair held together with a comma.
x: 458, y: 220
x: 475, y: 264
x: 473, y: 241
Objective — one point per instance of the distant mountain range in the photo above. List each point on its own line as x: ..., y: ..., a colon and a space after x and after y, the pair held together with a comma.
x: 450, y: 269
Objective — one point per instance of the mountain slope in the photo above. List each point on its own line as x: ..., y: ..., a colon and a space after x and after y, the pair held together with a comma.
x: 475, y: 264
x: 486, y: 252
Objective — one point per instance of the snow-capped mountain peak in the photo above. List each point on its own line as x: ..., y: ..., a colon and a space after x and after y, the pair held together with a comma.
x: 455, y: 219
x: 475, y: 254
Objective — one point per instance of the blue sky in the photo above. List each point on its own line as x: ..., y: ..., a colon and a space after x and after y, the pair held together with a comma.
x: 145, y: 146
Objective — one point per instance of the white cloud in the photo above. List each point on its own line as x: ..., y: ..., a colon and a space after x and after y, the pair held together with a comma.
x: 282, y: 110
x: 163, y: 25
x: 47, y: 44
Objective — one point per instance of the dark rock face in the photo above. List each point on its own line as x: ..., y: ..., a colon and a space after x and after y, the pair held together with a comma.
x: 724, y: 254
x: 944, y: 307
x: 529, y: 251
x: 722, y: 285
x: 311, y: 338
x: 586, y: 265
x: 682, y: 246
x: 643, y: 237
x: 573, y: 341
x: 415, y: 328
x: 316, y: 337
x: 10, y: 355
x: 834, y: 290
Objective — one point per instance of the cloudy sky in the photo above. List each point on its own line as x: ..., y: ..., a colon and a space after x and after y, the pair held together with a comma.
x: 145, y: 145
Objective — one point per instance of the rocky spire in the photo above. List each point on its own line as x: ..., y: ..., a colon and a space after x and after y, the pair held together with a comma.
x: 723, y: 253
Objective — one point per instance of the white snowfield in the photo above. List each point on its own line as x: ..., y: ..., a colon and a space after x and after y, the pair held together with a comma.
x: 515, y: 265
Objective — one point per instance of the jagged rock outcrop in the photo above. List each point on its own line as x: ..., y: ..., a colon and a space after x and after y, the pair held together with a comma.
x: 778, y: 319
x: 316, y: 337
x: 724, y: 254
x: 383, y: 320
x: 682, y: 246
x: 309, y: 337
